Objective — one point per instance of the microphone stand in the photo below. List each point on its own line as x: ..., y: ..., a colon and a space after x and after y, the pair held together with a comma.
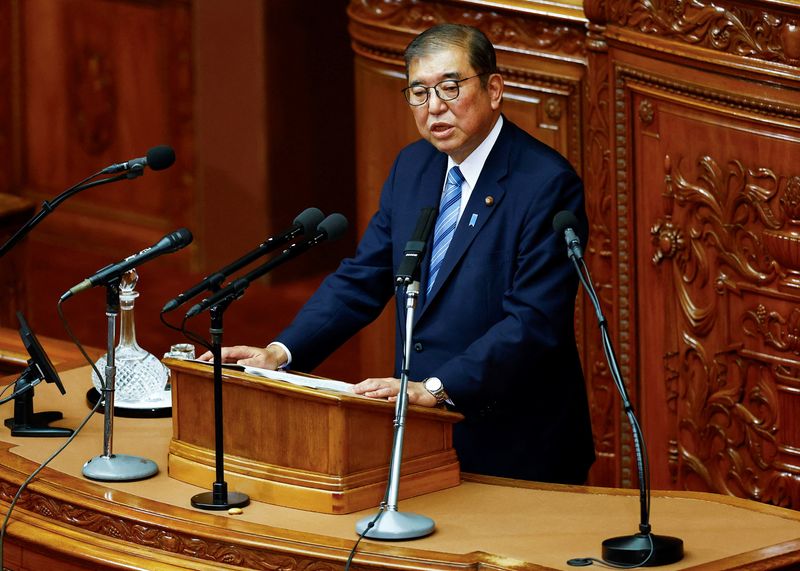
x: 390, y: 523
x: 643, y: 548
x: 48, y: 207
x: 109, y: 467
x: 219, y: 498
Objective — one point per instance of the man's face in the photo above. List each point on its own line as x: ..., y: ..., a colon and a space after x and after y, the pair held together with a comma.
x: 458, y: 126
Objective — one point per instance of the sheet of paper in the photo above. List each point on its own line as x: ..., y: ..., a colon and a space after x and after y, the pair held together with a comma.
x: 301, y: 380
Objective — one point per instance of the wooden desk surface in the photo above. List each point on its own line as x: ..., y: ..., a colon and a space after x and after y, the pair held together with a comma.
x: 481, y: 524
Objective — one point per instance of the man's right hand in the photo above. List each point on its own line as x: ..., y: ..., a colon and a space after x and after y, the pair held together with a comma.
x: 271, y: 357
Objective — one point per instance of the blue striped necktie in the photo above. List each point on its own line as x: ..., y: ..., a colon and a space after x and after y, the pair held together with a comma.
x: 446, y: 222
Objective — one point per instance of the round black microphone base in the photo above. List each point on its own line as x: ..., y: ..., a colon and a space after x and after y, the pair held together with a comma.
x: 634, y: 550
x: 219, y: 498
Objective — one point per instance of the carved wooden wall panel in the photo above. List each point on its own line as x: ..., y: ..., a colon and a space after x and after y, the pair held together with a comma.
x: 611, y: 467
x: 706, y: 193
x: 724, y: 268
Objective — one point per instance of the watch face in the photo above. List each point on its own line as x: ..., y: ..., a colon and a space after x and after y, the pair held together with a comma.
x: 433, y: 384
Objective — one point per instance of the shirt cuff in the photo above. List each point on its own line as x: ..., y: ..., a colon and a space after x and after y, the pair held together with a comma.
x: 285, y: 350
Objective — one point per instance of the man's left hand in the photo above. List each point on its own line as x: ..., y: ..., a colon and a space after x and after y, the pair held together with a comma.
x: 389, y: 388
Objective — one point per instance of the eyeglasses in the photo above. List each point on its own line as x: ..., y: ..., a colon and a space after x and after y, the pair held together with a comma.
x: 446, y: 90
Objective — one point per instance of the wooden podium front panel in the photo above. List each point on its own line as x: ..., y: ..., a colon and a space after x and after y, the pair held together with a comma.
x: 300, y: 447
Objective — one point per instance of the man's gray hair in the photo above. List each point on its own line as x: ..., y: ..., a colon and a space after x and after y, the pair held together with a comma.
x: 444, y: 36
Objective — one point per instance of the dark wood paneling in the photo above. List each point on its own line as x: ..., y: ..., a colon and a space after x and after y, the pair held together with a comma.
x: 7, y: 88
x: 260, y: 122
x: 101, y: 82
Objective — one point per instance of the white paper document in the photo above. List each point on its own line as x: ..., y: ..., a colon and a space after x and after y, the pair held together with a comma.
x: 303, y: 381
x: 312, y: 382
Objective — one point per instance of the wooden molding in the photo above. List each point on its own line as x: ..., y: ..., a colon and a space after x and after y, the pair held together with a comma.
x: 510, y: 31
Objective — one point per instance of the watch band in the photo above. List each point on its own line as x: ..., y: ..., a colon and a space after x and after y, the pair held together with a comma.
x: 439, y: 394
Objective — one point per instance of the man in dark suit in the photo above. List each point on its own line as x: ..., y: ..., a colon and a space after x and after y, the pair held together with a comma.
x: 493, y: 332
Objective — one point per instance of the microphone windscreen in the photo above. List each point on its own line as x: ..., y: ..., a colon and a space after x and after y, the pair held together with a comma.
x: 160, y: 157
x: 563, y: 220
x: 309, y: 219
x: 334, y: 226
x: 180, y: 238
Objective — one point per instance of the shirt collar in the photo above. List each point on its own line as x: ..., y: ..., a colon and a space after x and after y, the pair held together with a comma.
x: 472, y: 166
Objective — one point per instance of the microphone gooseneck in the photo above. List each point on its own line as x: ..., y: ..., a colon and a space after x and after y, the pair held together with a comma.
x: 643, y: 548
x: 158, y: 158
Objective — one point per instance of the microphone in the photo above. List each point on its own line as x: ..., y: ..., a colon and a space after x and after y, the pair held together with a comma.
x: 305, y: 223
x: 643, y: 548
x: 565, y: 223
x: 168, y: 244
x: 158, y: 158
x: 329, y: 229
x: 415, y: 247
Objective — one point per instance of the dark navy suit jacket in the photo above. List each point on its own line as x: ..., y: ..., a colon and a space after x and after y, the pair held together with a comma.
x: 497, y: 328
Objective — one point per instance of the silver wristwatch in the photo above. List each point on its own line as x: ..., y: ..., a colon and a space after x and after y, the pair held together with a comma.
x: 434, y: 386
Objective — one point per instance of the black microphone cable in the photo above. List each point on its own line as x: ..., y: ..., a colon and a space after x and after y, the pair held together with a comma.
x: 190, y: 335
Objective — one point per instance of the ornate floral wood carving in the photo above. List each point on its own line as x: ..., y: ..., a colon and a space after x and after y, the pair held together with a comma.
x: 722, y: 26
x: 552, y: 108
x: 779, y: 332
x: 217, y: 550
x: 764, y: 107
x: 668, y: 240
x: 520, y: 32
x: 720, y: 204
x: 646, y: 112
x: 728, y: 420
x: 725, y: 398
x: 606, y: 422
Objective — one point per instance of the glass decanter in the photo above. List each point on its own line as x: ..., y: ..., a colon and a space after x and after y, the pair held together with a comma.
x: 140, y: 376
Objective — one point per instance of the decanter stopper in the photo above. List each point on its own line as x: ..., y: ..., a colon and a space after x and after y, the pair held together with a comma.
x: 140, y: 376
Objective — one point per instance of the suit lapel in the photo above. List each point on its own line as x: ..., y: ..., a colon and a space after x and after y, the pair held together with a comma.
x: 475, y: 216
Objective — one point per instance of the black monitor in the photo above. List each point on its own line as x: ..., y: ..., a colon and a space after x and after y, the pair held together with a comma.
x: 26, y: 422
x: 38, y: 358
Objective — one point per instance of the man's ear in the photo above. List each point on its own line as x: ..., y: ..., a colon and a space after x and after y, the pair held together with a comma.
x: 495, y: 87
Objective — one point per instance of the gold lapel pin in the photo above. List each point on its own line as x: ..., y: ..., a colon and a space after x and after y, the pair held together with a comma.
x: 489, y: 200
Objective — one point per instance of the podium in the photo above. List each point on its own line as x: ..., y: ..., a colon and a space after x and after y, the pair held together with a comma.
x: 305, y: 448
